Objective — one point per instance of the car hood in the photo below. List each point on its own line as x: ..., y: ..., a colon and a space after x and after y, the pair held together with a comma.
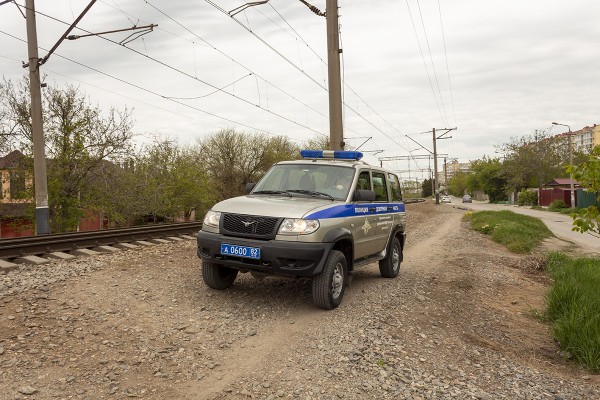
x: 273, y: 206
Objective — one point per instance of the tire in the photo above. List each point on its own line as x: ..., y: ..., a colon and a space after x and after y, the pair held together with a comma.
x: 389, y: 267
x: 328, y: 287
x: 217, y: 276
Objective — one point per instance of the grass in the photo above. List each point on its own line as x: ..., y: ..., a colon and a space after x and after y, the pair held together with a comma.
x: 573, y: 307
x: 519, y: 233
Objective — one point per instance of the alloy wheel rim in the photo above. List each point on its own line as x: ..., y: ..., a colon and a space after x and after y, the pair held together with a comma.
x: 337, y: 281
x: 396, y: 258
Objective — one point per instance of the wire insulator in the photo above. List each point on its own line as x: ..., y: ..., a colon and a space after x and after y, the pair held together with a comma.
x: 313, y: 9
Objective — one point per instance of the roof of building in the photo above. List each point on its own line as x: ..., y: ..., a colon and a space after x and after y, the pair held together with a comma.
x: 562, y: 182
x: 12, y: 160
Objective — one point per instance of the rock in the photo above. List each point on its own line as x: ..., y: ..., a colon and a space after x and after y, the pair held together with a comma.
x: 28, y: 390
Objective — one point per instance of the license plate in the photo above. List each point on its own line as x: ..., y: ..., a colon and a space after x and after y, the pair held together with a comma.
x: 240, y: 251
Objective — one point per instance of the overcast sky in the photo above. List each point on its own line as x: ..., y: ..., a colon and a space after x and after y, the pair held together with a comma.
x: 507, y: 68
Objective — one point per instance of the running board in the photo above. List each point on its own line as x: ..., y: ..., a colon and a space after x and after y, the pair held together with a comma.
x: 368, y: 260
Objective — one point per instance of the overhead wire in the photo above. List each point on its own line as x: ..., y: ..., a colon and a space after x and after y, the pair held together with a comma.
x: 424, y: 62
x: 447, y: 64
x: 437, y: 83
x: 454, y: 139
x: 164, y: 64
x: 209, y: 44
x: 237, y: 62
x: 216, y: 6
x: 147, y: 90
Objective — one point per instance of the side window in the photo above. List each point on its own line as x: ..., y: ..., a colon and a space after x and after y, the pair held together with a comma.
x: 17, y: 185
x: 379, y: 186
x: 395, y: 187
x: 364, y: 181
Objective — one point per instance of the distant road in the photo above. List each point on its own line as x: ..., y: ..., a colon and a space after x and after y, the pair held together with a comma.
x: 559, y: 224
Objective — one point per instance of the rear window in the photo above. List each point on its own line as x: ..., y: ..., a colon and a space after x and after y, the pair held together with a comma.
x: 395, y: 187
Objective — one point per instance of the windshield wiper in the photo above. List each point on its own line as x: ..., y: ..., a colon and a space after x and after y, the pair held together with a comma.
x: 311, y: 193
x: 272, y: 192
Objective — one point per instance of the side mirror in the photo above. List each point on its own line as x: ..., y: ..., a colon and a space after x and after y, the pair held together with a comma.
x: 249, y: 187
x: 363, y: 195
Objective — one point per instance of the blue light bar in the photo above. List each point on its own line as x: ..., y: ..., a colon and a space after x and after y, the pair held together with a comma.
x: 338, y: 155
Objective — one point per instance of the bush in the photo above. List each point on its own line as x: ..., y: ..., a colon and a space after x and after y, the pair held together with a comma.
x: 527, y: 198
x: 573, y: 307
x: 557, y: 205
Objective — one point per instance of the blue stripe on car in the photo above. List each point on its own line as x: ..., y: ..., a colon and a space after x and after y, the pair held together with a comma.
x: 349, y: 210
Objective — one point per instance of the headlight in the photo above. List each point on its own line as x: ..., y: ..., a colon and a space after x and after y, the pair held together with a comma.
x: 212, y: 218
x: 294, y: 226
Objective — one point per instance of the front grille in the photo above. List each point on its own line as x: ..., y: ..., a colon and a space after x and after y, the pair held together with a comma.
x: 250, y: 225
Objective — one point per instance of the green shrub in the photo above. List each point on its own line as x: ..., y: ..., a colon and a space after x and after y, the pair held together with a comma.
x: 519, y: 233
x: 539, y: 208
x: 557, y: 205
x: 573, y: 307
x: 527, y: 198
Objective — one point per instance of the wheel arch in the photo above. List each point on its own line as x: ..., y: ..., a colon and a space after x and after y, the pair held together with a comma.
x: 342, y: 241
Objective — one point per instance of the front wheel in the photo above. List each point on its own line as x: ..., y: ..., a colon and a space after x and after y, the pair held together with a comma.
x: 217, y: 276
x: 390, y: 265
x: 328, y: 287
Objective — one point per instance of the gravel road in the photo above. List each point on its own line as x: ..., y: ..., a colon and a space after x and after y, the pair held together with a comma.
x: 140, y: 323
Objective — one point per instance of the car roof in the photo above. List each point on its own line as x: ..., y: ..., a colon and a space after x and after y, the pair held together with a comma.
x: 337, y: 163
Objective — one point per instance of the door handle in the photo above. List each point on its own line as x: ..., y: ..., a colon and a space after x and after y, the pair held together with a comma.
x: 371, y: 209
x: 389, y: 208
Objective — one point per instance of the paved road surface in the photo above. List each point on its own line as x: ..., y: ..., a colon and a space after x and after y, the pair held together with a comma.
x: 559, y: 224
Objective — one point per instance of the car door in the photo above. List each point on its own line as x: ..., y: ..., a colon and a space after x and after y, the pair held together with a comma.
x: 383, y: 217
x: 364, y: 219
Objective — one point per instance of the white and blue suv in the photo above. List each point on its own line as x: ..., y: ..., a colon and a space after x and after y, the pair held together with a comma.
x: 318, y: 218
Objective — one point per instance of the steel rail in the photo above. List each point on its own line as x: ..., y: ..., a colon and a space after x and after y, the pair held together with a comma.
x: 38, y: 245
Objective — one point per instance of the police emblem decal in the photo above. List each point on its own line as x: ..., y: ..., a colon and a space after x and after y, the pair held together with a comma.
x: 366, y: 226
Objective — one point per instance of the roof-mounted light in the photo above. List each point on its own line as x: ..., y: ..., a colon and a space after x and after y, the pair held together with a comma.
x: 338, y: 155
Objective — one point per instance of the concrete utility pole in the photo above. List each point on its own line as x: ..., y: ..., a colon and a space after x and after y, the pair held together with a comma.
x: 435, y: 177
x: 446, y: 172
x: 437, y: 189
x: 42, y: 216
x: 336, y: 133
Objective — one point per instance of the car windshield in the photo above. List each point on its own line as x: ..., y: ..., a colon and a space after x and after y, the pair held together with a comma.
x: 314, y: 180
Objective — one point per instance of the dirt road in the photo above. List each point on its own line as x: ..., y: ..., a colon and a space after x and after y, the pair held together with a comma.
x: 456, y: 323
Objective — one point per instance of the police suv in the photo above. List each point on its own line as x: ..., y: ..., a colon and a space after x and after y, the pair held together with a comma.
x: 318, y: 218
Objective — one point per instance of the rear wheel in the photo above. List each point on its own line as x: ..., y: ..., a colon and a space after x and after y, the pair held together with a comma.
x: 390, y: 265
x: 328, y: 287
x: 217, y: 276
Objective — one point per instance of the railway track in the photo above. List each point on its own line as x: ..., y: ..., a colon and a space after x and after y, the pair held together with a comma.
x: 13, y: 248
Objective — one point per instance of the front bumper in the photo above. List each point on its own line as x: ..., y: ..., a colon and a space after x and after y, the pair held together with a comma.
x: 299, y: 259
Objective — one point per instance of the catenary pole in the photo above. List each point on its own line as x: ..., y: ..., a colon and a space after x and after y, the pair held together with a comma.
x: 336, y: 135
x: 435, y: 177
x: 42, y: 216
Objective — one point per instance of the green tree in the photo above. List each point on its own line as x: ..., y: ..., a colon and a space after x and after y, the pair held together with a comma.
x: 234, y: 159
x: 487, y: 175
x: 533, y: 160
x: 427, y: 190
x: 587, y: 174
x: 458, y: 184
x: 79, y: 137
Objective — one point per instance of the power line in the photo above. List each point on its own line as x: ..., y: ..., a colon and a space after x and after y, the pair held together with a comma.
x: 233, y: 60
x: 242, y: 65
x: 191, y: 77
x: 424, y: 62
x: 447, y: 65
x: 266, y: 44
x: 147, y: 90
x: 432, y: 63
